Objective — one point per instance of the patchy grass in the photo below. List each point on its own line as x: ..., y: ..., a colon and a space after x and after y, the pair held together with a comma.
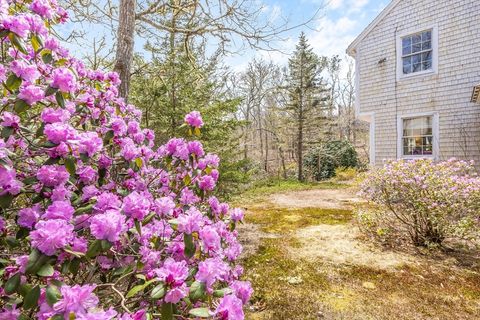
x: 267, y: 187
x: 280, y: 220
x: 289, y: 288
x: 422, y: 292
x: 284, y: 288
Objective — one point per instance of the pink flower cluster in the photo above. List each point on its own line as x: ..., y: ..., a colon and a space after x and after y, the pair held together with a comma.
x: 98, y: 213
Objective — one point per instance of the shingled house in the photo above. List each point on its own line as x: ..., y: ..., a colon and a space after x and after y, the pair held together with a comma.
x: 417, y: 80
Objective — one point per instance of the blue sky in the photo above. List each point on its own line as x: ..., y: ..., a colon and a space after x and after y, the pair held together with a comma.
x: 335, y: 28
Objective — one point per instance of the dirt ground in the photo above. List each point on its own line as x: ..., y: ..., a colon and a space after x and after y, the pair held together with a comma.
x: 317, y: 198
x: 306, y: 260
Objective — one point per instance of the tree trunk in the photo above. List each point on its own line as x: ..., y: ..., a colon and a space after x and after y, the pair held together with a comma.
x: 125, y: 43
x: 282, y: 158
x: 300, y: 123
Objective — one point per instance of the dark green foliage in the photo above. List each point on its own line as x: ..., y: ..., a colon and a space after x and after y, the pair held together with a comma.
x: 308, y: 97
x: 176, y: 83
x: 322, y: 161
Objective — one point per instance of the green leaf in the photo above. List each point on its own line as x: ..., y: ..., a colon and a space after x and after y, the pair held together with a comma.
x: 40, y: 130
x: 148, y: 218
x: 46, y: 271
x: 187, y: 180
x: 70, y: 165
x: 94, y: 248
x: 84, y: 157
x: 37, y: 42
x: 6, y: 201
x: 189, y: 245
x: 200, y: 312
x: 167, y: 311
x: 31, y: 299
x: 13, y: 82
x: 4, y: 33
x: 17, y: 43
x: 60, y: 99
x: 7, y: 132
x: 102, y: 173
x: 158, y: 292
x: 196, y: 131
x: 108, y: 136
x: 12, y: 284
x: 84, y: 209
x: 106, y: 245
x: 138, y: 227
x: 197, y: 290
x: 12, y: 241
x: 222, y: 292
x: 52, y: 295
x: 50, y: 91
x: 139, y: 288
x: 22, y: 233
x: 35, y: 261
x: 139, y: 162
x: 74, y: 266
x: 47, y: 57
x: 20, y: 106
x: 24, y: 289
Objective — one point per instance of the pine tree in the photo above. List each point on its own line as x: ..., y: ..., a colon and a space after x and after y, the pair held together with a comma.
x: 308, y: 97
x: 176, y: 82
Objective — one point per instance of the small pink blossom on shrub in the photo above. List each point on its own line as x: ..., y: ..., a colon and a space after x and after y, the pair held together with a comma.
x: 108, y: 226
x: 194, y: 119
x: 64, y: 80
x: 51, y: 235
x: 31, y: 94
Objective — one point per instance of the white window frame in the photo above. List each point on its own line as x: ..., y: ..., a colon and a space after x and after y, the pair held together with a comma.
x: 435, y: 132
x: 399, y: 47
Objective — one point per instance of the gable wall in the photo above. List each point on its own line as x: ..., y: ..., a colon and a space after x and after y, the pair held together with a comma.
x: 447, y: 92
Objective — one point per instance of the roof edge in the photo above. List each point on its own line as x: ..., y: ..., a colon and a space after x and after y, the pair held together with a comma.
x: 351, y: 50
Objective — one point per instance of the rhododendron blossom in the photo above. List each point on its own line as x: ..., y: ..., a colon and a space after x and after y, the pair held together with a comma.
x: 194, y: 119
x: 99, y: 223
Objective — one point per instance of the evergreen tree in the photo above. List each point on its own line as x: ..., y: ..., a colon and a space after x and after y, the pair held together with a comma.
x: 308, y: 98
x: 176, y: 82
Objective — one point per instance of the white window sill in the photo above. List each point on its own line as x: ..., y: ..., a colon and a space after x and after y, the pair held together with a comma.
x: 417, y: 157
x: 418, y: 74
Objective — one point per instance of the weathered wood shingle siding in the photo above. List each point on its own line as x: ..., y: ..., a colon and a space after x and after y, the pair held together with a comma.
x: 448, y: 92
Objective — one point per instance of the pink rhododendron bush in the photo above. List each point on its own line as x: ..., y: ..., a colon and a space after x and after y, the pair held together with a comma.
x: 96, y: 223
x: 423, y: 201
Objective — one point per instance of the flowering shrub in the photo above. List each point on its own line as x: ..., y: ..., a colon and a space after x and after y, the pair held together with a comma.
x: 95, y: 223
x: 425, y: 200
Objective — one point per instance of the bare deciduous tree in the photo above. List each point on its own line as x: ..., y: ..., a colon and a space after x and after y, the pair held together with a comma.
x: 228, y: 23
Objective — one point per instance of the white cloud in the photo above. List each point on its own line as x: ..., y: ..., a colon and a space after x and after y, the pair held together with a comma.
x: 335, y: 4
x: 333, y: 36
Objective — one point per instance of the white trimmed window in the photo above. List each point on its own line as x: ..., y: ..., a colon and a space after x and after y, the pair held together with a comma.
x: 418, y: 136
x: 417, y: 53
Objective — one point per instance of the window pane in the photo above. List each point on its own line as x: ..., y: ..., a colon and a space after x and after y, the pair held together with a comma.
x: 426, y: 60
x: 416, y: 47
x: 427, y: 45
x: 427, y: 36
x: 417, y: 67
x: 407, y: 65
x: 406, y: 42
x: 417, y: 58
x: 427, y: 65
x: 417, y: 136
x: 406, y: 50
x: 417, y: 38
